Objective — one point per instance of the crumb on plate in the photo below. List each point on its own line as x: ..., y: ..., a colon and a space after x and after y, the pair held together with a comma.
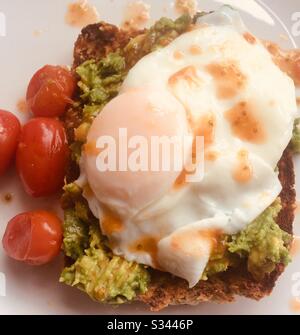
x: 8, y: 197
x: 22, y: 106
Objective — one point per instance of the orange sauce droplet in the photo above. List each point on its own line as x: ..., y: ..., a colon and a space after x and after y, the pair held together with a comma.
x: 244, y: 124
x: 211, y: 156
x: 243, y: 171
x: 249, y: 38
x: 188, y: 74
x: 110, y: 223
x: 181, y: 180
x: 146, y: 245
x: 88, y: 191
x: 22, y: 106
x: 295, y: 305
x: 195, y: 50
x: 178, y: 55
x: 287, y: 61
x: 90, y: 148
x: 298, y: 101
x: 229, y: 79
x: 80, y: 14
x: 206, y: 128
x: 137, y: 14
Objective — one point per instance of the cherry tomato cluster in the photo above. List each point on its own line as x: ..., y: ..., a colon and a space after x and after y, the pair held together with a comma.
x: 41, y: 152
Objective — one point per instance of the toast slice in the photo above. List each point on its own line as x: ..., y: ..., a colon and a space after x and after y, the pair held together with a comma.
x: 95, y: 42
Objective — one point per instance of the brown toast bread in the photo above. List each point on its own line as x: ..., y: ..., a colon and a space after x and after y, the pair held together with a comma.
x: 95, y: 42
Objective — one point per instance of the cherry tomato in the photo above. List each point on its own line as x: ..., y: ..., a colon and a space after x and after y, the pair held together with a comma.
x: 33, y: 237
x: 42, y: 156
x: 9, y: 135
x: 50, y: 91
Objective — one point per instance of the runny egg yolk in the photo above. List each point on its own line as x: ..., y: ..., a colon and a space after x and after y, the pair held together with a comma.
x: 145, y: 113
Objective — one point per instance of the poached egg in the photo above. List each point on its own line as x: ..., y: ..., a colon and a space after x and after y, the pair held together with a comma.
x: 217, y: 81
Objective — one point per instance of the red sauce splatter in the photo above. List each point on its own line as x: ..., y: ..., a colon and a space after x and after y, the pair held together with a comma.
x: 81, y: 14
x: 229, y: 79
x: 249, y: 38
x: 245, y: 124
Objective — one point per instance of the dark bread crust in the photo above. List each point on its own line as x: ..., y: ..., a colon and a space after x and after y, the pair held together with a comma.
x: 98, y: 40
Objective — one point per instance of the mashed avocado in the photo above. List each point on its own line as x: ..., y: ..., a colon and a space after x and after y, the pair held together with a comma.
x: 220, y: 259
x: 99, y: 83
x: 296, y: 137
x: 75, y: 235
x: 103, y: 276
x: 161, y: 34
x: 94, y: 269
x: 263, y: 244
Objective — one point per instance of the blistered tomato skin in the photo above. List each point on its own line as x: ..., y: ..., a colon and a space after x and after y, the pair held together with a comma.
x: 33, y: 237
x: 50, y: 91
x: 9, y: 135
x: 42, y: 157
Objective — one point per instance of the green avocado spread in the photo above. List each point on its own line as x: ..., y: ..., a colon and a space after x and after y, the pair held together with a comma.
x: 296, y: 137
x: 91, y: 265
x: 103, y: 276
x: 94, y: 269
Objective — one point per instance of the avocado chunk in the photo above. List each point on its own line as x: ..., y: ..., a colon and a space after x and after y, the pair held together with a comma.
x: 295, y: 143
x: 263, y: 242
x: 104, y: 277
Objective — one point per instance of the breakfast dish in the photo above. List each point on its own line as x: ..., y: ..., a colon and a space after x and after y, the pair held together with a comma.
x: 225, y: 78
x: 161, y: 234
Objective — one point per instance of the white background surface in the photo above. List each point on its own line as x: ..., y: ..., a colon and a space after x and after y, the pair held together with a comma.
x: 36, y: 290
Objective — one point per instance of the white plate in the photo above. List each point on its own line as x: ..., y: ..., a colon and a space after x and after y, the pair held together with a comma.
x: 36, y: 290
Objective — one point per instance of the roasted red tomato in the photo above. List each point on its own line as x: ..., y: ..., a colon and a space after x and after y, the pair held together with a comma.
x: 33, y: 237
x: 50, y: 91
x: 9, y: 135
x: 42, y: 156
